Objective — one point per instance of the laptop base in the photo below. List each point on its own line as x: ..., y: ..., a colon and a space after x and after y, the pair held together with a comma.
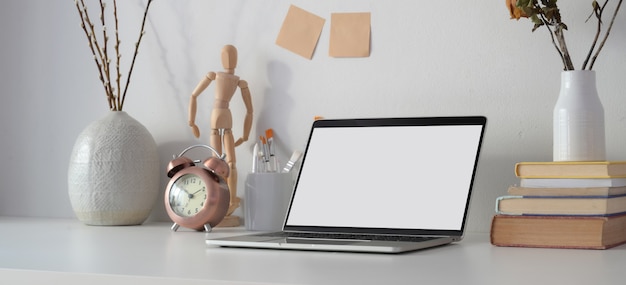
x: 337, y: 245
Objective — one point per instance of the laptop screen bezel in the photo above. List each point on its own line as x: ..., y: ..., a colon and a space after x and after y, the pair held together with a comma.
x: 376, y: 122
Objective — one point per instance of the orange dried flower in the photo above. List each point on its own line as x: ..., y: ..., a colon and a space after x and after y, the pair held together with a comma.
x: 516, y: 13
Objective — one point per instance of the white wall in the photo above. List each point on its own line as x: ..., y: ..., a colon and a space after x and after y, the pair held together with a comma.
x: 427, y: 58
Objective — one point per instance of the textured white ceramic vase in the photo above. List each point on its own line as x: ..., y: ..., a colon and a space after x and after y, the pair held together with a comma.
x: 578, y: 119
x: 113, y: 175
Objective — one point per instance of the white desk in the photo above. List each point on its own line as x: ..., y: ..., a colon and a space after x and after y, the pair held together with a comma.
x: 53, y: 251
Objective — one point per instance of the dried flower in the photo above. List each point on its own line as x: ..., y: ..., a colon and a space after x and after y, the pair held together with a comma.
x: 546, y: 13
x: 516, y: 13
x: 100, y: 51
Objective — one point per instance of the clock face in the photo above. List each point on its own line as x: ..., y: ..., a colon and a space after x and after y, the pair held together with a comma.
x: 187, y: 195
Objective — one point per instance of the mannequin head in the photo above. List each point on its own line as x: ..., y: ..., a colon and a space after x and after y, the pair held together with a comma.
x: 229, y: 58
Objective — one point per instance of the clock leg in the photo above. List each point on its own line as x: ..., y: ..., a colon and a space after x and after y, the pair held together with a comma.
x: 207, y: 228
x: 175, y: 227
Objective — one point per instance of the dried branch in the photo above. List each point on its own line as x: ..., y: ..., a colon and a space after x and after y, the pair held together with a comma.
x: 93, y: 44
x: 105, y: 54
x: 597, y: 11
x: 606, y: 35
x: 567, y: 60
x: 546, y: 13
x: 564, y: 57
x: 100, y: 52
x: 117, y: 52
x: 132, y: 65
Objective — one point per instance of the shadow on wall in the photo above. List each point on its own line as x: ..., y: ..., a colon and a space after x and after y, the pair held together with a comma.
x: 271, y: 111
x: 274, y: 109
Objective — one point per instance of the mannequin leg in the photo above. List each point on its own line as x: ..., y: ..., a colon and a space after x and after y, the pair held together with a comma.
x: 229, y: 148
x: 216, y: 140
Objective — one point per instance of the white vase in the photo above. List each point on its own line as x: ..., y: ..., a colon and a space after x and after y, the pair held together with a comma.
x: 113, y: 175
x: 578, y: 119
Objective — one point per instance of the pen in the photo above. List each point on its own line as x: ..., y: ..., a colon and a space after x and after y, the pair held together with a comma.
x: 266, y: 158
x: 273, y: 164
x: 255, y: 158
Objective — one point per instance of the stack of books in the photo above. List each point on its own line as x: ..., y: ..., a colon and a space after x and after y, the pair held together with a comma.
x: 563, y: 205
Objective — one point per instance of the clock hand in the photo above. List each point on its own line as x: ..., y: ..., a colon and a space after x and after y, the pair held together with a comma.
x: 189, y: 195
x: 194, y: 193
x: 183, y: 189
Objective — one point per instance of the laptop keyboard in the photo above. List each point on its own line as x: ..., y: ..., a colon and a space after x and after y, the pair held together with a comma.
x: 348, y: 236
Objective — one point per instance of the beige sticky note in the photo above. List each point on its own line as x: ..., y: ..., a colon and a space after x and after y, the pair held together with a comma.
x: 350, y: 35
x: 300, y: 31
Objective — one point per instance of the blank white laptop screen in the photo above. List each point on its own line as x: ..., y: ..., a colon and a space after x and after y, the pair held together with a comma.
x: 403, y: 177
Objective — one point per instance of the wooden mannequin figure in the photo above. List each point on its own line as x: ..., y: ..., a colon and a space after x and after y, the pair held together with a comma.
x: 222, y: 139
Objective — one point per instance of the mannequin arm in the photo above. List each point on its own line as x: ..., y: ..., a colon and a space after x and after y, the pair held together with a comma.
x: 247, y: 123
x: 204, y: 83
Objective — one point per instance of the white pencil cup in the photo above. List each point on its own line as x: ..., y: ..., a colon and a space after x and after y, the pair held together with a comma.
x: 267, y: 197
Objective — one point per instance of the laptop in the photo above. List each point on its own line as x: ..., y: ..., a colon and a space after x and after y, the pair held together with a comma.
x: 384, y: 185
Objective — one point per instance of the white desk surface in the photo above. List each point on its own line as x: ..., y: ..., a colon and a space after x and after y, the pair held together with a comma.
x: 59, y: 251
